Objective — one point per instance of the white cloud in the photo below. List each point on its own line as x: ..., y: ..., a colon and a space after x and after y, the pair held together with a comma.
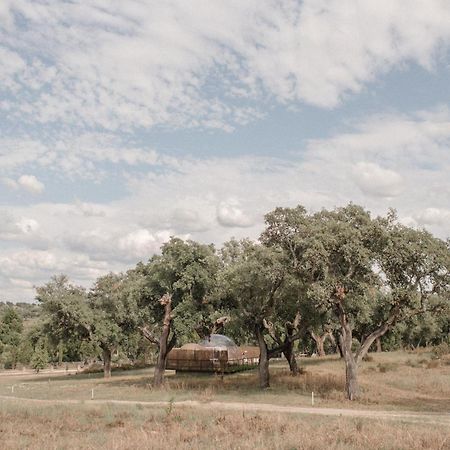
x: 229, y: 214
x: 141, y: 243
x: 28, y: 226
x: 434, y: 216
x: 89, y: 209
x: 187, y: 220
x: 377, y: 181
x: 10, y: 183
x: 139, y: 64
x: 21, y: 270
x: 28, y: 183
x: 31, y: 184
x: 22, y: 229
x: 11, y: 66
x: 71, y: 155
x: 8, y: 224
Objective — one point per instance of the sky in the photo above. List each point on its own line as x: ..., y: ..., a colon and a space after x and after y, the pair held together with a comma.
x: 123, y: 123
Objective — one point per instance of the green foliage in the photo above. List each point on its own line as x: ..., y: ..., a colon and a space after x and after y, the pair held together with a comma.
x: 187, y: 270
x: 66, y: 310
x: 250, y: 283
x: 386, y: 272
x: 11, y: 328
x: 40, y: 357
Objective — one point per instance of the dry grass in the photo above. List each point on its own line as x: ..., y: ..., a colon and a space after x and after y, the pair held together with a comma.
x: 114, y: 427
x: 390, y: 381
x: 398, y: 380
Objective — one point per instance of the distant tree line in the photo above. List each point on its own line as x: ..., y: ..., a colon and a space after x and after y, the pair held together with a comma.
x: 332, y: 281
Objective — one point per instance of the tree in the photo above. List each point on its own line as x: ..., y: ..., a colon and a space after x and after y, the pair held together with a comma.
x: 173, y: 294
x: 113, y: 319
x: 252, y: 291
x: 40, y: 357
x: 75, y: 316
x: 349, y: 259
x: 11, y: 328
x: 414, y: 269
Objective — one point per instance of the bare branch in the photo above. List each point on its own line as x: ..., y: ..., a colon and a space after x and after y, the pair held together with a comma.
x: 149, y: 335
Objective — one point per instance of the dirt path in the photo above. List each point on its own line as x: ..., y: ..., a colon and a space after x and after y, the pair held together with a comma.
x: 432, y: 418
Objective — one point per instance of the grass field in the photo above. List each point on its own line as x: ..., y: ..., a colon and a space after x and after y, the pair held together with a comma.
x: 391, y: 382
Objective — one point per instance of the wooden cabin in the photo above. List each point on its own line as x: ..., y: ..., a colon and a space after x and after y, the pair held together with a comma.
x: 217, y: 353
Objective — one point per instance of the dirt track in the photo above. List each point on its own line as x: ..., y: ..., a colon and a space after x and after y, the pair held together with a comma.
x: 408, y: 416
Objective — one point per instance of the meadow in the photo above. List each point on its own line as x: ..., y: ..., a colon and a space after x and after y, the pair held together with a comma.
x: 43, y: 411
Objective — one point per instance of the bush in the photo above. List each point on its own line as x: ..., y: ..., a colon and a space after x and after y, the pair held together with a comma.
x: 40, y: 358
x: 441, y: 350
x: 8, y: 364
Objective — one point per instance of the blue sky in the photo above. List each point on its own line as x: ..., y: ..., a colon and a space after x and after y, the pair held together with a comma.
x: 124, y: 123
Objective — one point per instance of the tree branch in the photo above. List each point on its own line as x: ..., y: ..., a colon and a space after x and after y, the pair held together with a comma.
x: 272, y: 333
x: 149, y: 335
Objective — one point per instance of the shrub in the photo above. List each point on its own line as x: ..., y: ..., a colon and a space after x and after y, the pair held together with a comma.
x: 40, y: 358
x: 8, y: 364
x: 441, y: 350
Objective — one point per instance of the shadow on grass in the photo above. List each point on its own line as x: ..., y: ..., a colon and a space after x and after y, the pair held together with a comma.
x: 242, y: 384
x: 62, y: 378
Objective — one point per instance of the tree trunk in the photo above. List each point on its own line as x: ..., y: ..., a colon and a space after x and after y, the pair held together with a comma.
x: 339, y: 347
x: 345, y: 338
x: 351, y: 367
x: 107, y: 363
x: 164, y: 349
x: 289, y: 354
x: 369, y: 340
x: 319, y: 340
x: 336, y: 344
x: 351, y: 378
x: 263, y: 359
x: 379, y: 348
x: 160, y: 368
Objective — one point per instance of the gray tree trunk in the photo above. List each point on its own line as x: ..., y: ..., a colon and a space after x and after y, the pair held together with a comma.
x: 351, y: 378
x: 263, y: 359
x: 290, y: 356
x: 351, y: 367
x: 320, y: 341
x: 378, y: 341
x: 106, y: 363
x: 160, y: 368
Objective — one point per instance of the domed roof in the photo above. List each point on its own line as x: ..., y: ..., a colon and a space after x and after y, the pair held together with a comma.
x: 217, y: 340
